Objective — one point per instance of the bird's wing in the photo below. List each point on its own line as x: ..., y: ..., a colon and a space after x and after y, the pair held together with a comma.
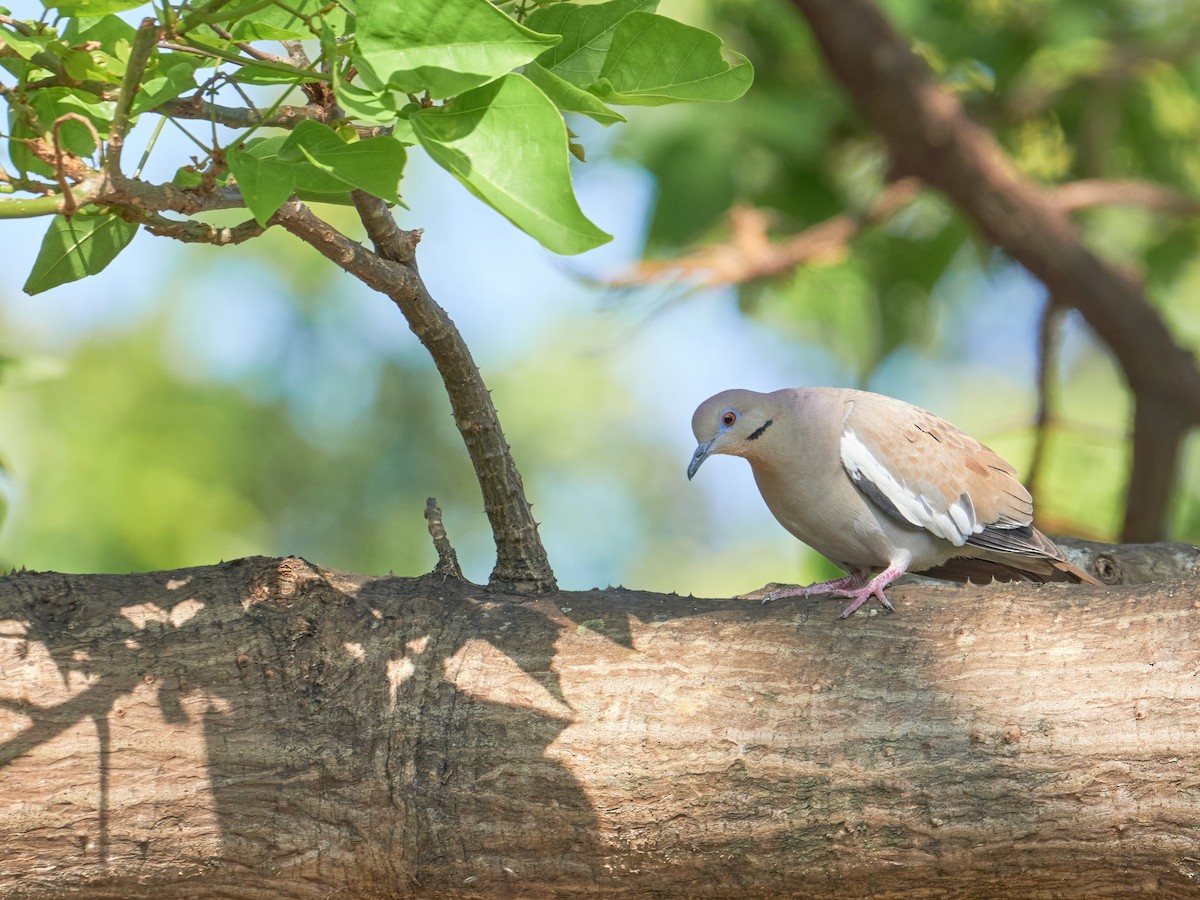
x: 923, y: 471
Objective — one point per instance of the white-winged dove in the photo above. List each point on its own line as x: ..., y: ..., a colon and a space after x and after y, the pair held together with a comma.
x: 875, y: 483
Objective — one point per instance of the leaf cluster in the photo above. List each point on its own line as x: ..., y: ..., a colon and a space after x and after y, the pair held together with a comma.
x: 482, y: 88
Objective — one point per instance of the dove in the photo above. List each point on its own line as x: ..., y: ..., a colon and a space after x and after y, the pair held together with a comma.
x: 881, y: 488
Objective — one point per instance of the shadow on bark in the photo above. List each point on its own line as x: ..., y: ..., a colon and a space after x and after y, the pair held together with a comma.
x: 277, y: 728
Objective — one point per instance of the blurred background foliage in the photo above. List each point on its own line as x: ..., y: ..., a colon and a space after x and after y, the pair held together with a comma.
x: 192, y: 403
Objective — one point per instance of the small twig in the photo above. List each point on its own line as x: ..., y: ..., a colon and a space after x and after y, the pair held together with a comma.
x: 249, y: 49
x: 193, y: 232
x: 214, y: 53
x: 1090, y: 192
x: 61, y: 160
x: 447, y: 566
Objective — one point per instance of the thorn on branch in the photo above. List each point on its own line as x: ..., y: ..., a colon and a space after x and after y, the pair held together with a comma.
x: 447, y: 565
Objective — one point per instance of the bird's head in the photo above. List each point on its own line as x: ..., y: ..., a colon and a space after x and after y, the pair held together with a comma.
x: 729, y: 422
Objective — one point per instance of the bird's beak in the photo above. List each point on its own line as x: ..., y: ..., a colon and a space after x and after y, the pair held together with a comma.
x: 699, y: 456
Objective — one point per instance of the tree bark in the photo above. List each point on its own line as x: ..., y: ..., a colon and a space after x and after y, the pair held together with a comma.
x: 270, y: 728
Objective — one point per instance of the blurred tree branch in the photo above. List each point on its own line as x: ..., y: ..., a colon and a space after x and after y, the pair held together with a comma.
x: 750, y: 253
x: 929, y: 135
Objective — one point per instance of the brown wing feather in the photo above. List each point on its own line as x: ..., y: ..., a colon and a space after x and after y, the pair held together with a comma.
x: 934, y: 460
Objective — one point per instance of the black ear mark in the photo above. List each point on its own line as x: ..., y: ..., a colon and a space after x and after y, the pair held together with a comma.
x: 757, y: 432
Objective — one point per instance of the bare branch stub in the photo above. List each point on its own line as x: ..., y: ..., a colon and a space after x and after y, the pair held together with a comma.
x: 447, y: 566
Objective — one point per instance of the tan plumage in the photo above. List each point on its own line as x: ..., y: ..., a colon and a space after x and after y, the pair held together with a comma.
x: 876, y: 483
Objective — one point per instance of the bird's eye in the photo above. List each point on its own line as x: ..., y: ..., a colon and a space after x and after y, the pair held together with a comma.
x: 728, y: 418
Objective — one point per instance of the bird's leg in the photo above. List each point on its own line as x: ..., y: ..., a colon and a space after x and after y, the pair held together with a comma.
x: 856, y: 579
x: 873, y: 588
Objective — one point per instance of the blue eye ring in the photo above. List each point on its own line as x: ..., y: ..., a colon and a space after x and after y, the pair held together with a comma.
x: 728, y: 418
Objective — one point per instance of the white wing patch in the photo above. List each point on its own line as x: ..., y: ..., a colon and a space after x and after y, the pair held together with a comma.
x: 955, y: 523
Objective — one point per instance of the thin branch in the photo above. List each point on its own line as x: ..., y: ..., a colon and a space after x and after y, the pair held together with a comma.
x: 31, y: 208
x: 139, y: 57
x: 192, y: 232
x: 521, y: 562
x: 250, y: 49
x: 215, y: 53
x: 750, y: 254
x: 1091, y: 192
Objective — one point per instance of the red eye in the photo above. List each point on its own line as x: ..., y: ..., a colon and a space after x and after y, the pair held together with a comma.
x: 728, y: 418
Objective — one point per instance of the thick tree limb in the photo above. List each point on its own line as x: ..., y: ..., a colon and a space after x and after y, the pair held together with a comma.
x: 277, y: 729
x: 930, y: 136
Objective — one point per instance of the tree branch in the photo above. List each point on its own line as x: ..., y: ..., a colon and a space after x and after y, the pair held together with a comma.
x: 193, y: 232
x: 139, y: 57
x: 521, y: 562
x: 749, y: 253
x: 929, y: 135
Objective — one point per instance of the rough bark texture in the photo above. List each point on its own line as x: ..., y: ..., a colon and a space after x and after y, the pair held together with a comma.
x: 269, y: 728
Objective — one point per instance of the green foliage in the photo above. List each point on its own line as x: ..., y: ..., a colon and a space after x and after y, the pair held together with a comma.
x: 471, y: 137
x: 76, y: 247
x: 315, y: 161
x: 437, y: 72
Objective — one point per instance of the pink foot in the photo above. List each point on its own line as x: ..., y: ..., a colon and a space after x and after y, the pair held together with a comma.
x: 873, y: 588
x: 856, y: 579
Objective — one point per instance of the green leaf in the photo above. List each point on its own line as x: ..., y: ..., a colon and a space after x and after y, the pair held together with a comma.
x: 586, y: 33
x: 314, y: 160
x: 268, y: 75
x: 507, y: 144
x: 76, y: 247
x: 374, y: 165
x: 654, y: 60
x: 366, y: 107
x: 264, y: 180
x: 169, y: 79
x: 94, y: 7
x: 445, y: 47
x: 287, y: 21
x: 24, y: 46
x: 569, y: 98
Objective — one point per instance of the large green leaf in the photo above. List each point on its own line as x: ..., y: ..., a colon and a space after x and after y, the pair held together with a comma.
x: 507, y: 144
x: 445, y: 47
x: 569, y: 98
x: 76, y: 247
x: 586, y: 33
x: 654, y: 60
